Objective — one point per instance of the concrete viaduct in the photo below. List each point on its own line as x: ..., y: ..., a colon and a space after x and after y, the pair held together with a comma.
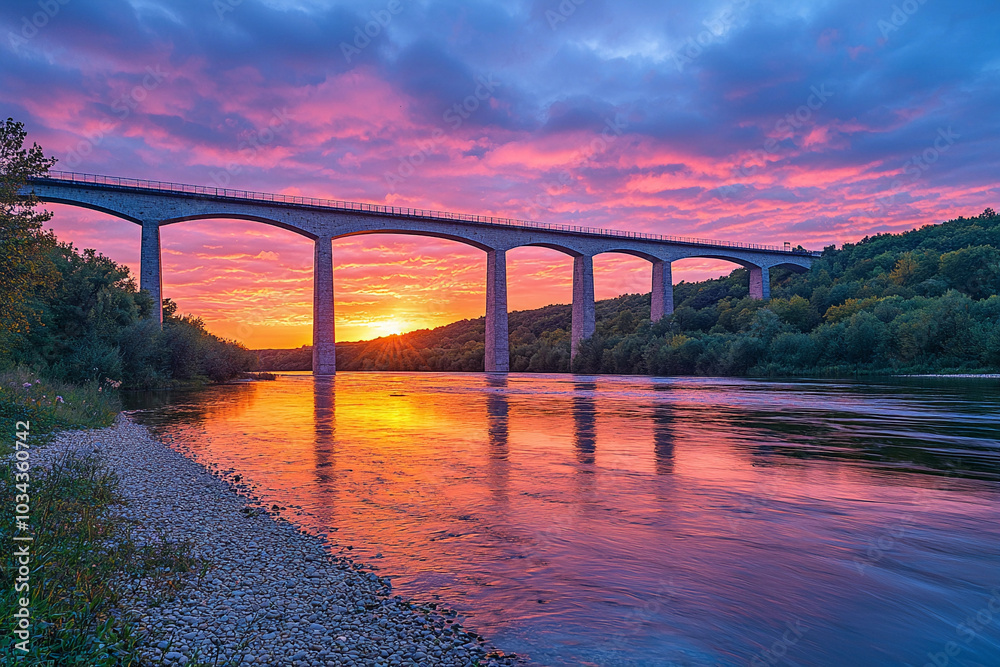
x: 153, y: 204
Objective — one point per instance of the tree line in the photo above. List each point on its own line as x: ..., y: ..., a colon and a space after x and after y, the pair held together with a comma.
x: 922, y: 301
x: 77, y: 316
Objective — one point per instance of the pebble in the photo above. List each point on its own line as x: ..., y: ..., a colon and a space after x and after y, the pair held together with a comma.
x: 271, y: 594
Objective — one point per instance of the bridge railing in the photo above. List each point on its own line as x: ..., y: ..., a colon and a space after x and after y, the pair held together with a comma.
x: 360, y: 207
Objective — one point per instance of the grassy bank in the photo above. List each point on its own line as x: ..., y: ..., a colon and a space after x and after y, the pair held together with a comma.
x: 52, y: 406
x: 81, y: 547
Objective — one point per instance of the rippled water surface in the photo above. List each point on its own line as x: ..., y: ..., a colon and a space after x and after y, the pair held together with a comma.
x: 621, y: 520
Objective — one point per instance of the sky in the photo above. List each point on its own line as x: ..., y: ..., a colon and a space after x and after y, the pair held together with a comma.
x: 815, y: 123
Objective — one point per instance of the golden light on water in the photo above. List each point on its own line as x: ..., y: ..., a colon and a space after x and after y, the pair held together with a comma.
x: 554, y: 508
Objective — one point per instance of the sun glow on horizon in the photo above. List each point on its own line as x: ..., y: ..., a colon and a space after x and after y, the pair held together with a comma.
x: 392, y: 327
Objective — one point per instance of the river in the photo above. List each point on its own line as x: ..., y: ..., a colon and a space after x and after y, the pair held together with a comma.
x: 618, y: 520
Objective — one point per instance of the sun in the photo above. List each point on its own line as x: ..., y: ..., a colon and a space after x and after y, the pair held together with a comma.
x: 391, y: 327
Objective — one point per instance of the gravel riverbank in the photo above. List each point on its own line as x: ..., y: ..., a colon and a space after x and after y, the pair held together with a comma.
x: 269, y: 594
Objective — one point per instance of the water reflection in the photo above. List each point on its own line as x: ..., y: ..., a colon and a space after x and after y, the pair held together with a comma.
x: 631, y: 521
x: 584, y: 423
x: 498, y: 429
x: 324, y: 427
x: 663, y: 439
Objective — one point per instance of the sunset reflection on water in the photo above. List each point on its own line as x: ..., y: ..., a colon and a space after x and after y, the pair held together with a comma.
x: 622, y: 520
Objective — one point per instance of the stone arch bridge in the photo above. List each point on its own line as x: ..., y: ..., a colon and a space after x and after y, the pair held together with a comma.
x: 153, y: 204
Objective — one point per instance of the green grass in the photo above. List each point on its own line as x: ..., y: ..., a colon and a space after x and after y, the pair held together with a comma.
x: 52, y: 406
x: 78, y: 550
x: 83, y: 553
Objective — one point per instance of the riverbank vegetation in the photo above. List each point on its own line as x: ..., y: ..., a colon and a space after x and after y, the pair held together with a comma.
x: 72, y: 563
x: 924, y: 301
x: 51, y: 406
x: 72, y: 330
x: 81, y: 553
x: 81, y: 548
x: 78, y: 317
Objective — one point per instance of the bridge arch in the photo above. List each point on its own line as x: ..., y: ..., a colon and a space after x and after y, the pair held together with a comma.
x: 497, y: 350
x: 264, y: 220
x: 649, y: 257
x: 565, y: 249
x: 759, y: 272
x: 661, y: 284
x: 93, y: 206
x: 797, y: 267
x: 249, y: 274
x: 416, y: 232
x: 382, y: 266
x: 584, y: 317
x: 745, y: 263
x: 540, y: 273
x: 89, y: 226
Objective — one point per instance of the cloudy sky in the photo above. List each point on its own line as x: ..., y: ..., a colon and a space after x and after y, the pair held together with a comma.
x: 809, y: 122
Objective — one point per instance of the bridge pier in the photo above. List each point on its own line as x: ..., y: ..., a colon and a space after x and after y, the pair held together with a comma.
x: 497, y: 343
x: 760, y: 282
x: 584, y: 317
x: 324, y: 346
x: 150, y: 274
x: 662, y: 297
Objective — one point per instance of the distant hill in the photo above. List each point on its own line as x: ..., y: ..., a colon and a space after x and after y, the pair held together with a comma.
x: 921, y: 301
x: 457, y: 346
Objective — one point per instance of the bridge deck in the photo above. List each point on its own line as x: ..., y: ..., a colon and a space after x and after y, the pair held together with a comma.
x: 244, y: 196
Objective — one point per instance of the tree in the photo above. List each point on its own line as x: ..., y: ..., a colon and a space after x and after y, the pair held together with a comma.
x: 905, y: 271
x: 78, y: 316
x: 974, y: 270
x: 22, y: 241
x: 797, y: 312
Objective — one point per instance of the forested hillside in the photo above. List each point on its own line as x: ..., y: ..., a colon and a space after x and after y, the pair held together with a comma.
x: 921, y: 301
